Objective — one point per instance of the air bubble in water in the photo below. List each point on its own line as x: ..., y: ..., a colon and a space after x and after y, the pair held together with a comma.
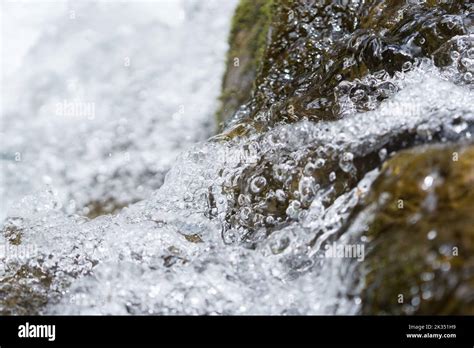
x: 280, y: 195
x: 243, y: 200
x: 270, y: 220
x: 245, y: 214
x: 258, y: 184
x: 346, y: 162
x: 383, y: 154
x: 293, y: 210
x: 307, y: 189
x: 309, y: 168
x: 320, y: 162
x: 406, y: 66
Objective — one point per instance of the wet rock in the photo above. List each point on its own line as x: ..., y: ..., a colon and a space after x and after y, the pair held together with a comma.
x: 26, y: 292
x: 317, y: 54
x: 247, y: 41
x: 420, y: 240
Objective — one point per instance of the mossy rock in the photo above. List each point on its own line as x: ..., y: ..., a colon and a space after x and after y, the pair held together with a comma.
x: 420, y: 257
x: 294, y: 54
x: 247, y: 42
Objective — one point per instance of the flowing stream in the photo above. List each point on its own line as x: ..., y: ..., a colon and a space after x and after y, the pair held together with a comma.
x: 121, y: 108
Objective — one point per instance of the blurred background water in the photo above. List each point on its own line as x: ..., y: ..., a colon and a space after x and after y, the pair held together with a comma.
x: 98, y: 97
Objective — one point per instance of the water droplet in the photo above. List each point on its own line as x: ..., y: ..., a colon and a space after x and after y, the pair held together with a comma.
x: 278, y: 245
x: 383, y: 154
x: 230, y: 236
x: 245, y: 213
x: 406, y: 66
x: 470, y: 53
x: 320, y: 162
x: 306, y: 189
x: 309, y: 168
x: 243, y: 200
x: 293, y: 210
x: 358, y: 95
x: 345, y: 162
x: 467, y: 63
x: 432, y: 235
x: 258, y: 184
x: 280, y: 195
x: 427, y: 182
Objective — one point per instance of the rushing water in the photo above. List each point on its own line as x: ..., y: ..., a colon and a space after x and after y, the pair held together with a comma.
x: 107, y: 96
x: 201, y: 242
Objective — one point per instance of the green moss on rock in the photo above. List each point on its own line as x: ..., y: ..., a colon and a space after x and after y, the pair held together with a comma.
x: 247, y: 41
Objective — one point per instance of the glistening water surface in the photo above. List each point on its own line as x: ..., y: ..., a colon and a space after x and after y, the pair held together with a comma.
x: 237, y: 226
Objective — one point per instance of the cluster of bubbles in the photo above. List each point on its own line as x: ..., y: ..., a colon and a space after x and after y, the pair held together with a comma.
x: 319, y: 161
x: 366, y: 93
x: 454, y: 57
x: 457, y: 55
x: 327, y: 58
x: 104, y: 113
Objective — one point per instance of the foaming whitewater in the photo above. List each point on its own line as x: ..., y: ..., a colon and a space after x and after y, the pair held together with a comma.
x: 215, y: 238
x: 107, y: 96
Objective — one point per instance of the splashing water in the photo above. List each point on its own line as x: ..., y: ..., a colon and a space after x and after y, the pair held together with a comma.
x: 115, y: 126
x: 238, y: 227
